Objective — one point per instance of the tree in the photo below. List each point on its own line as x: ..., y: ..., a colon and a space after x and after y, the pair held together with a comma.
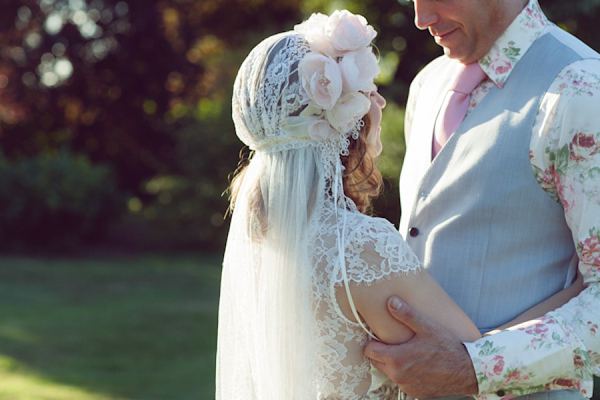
x: 144, y: 85
x: 111, y: 78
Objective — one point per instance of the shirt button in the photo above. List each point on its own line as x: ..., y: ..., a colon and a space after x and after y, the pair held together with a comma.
x: 501, y: 393
x: 413, y: 231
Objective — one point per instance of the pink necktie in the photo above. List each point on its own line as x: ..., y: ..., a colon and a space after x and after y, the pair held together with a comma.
x: 455, y: 104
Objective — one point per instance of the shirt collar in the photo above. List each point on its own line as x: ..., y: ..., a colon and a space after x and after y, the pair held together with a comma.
x: 514, y: 42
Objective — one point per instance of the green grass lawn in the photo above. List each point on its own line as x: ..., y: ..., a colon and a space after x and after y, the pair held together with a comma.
x: 131, y: 327
x: 122, y: 328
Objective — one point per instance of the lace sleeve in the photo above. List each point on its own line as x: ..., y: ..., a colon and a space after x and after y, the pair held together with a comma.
x: 375, y: 250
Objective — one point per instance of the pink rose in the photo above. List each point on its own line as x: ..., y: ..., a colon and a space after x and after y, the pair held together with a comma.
x: 348, y: 110
x: 594, y: 357
x: 540, y: 328
x: 320, y: 130
x: 337, y: 34
x: 502, y: 67
x: 321, y: 79
x: 499, y: 366
x: 562, y: 383
x: 348, y: 32
x: 537, y: 329
x: 554, y: 174
x: 513, y: 376
x: 359, y: 69
x: 582, y: 147
x: 590, y: 251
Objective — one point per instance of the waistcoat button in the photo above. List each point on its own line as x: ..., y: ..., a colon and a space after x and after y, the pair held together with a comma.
x: 413, y: 231
x: 500, y: 393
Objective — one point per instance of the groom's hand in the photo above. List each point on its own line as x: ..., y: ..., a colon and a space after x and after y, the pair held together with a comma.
x: 434, y: 363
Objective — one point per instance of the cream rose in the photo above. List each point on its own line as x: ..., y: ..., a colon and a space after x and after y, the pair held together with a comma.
x: 348, y: 110
x: 320, y: 130
x: 321, y: 79
x: 359, y: 69
x: 348, y: 32
x: 318, y: 127
x: 313, y: 30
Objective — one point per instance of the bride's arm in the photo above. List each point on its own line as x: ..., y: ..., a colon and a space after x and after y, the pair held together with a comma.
x: 550, y: 304
x: 420, y: 291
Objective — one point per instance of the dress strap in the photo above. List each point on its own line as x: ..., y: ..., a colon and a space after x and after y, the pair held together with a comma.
x: 352, y: 306
x: 341, y: 234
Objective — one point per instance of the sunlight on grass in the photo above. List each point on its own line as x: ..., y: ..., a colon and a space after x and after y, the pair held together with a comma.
x: 16, y: 333
x: 20, y: 384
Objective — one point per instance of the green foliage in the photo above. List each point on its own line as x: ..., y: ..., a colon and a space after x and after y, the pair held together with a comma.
x: 188, y: 210
x: 390, y: 162
x: 55, y: 201
x: 392, y: 138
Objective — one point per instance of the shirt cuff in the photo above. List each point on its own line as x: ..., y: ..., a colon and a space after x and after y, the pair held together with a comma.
x: 541, y: 357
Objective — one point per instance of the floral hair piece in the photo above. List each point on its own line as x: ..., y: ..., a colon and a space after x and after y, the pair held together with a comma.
x: 334, y: 75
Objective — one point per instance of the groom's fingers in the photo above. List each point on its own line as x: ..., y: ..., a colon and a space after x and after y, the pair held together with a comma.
x: 413, y: 319
x: 385, y: 358
x: 379, y: 365
x: 378, y: 352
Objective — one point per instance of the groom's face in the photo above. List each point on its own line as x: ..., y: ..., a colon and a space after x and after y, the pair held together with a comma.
x: 466, y: 29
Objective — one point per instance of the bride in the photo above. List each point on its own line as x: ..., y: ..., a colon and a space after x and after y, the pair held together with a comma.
x: 306, y: 273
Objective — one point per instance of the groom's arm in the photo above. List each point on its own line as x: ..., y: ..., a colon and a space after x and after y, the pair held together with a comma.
x: 434, y: 363
x: 538, y: 311
x: 546, y: 356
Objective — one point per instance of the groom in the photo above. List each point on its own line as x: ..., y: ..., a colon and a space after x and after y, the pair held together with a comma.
x: 505, y: 209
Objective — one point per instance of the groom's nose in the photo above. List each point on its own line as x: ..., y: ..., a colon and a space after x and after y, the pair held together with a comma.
x: 425, y: 13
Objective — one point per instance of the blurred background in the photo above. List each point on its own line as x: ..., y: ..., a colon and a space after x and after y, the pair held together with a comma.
x: 116, y: 146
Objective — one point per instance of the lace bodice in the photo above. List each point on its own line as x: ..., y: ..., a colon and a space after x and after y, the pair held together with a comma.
x: 374, y: 251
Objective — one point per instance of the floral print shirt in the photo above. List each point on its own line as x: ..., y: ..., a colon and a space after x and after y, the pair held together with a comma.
x: 562, y: 349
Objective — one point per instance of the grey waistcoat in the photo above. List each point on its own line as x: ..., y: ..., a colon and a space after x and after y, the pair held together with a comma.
x: 476, y: 216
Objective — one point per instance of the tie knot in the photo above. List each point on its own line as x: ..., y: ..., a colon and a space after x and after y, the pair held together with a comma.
x: 468, y: 78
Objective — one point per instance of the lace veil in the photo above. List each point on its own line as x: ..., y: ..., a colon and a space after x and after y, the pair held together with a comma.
x: 268, y: 344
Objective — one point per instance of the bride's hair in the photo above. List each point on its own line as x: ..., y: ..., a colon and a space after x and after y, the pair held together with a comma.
x: 362, y: 179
